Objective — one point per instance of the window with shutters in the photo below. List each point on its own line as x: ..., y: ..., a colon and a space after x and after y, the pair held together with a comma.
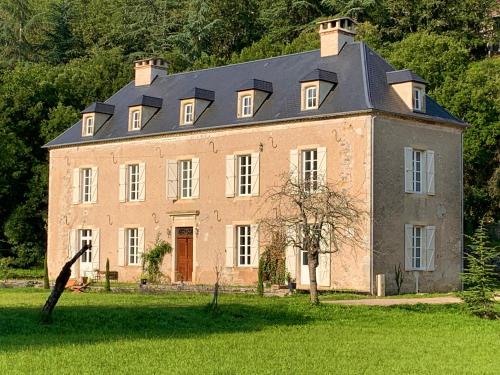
x: 417, y: 171
x: 245, y: 175
x: 309, y: 168
x: 186, y: 179
x: 244, y: 245
x: 416, y: 253
x: 133, y: 182
x: 86, y: 239
x: 133, y: 246
x: 86, y: 185
x: 88, y: 125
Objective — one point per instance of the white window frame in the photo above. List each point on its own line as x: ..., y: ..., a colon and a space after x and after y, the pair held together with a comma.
x: 418, y: 170
x: 135, y: 121
x: 86, y: 239
x: 246, y: 106
x: 243, y: 242
x: 133, y: 177
x: 133, y: 246
x: 88, y: 129
x: 418, y: 248
x: 309, y: 168
x: 311, y: 101
x: 186, y: 178
x: 417, y: 98
x: 188, y: 116
x: 244, y: 175
x: 86, y: 187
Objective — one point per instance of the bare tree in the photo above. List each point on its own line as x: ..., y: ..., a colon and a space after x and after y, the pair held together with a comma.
x: 218, y: 270
x: 314, y: 217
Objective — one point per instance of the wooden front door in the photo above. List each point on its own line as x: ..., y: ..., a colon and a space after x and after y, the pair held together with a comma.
x: 184, y: 254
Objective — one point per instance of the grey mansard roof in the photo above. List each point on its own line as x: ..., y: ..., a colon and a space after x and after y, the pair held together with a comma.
x: 362, y: 85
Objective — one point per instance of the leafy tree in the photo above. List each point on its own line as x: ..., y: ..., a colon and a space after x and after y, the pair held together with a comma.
x: 480, y: 277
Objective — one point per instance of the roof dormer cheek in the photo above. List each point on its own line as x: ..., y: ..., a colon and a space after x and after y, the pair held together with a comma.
x: 194, y: 104
x: 315, y: 87
x: 251, y: 96
x: 409, y: 87
x: 94, y: 117
x: 142, y: 110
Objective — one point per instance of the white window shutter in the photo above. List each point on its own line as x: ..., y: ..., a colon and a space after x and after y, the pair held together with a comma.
x: 229, y: 246
x: 254, y: 245
x: 93, y: 191
x: 291, y: 253
x: 121, y: 246
x: 95, y: 249
x: 230, y: 175
x: 72, y: 249
x: 408, y: 170
x: 76, y: 186
x: 172, y: 183
x: 294, y: 166
x: 324, y: 267
x: 430, y: 247
x: 142, y: 181
x: 122, y: 180
x: 255, y: 173
x: 322, y: 164
x: 429, y: 156
x: 140, y: 247
x: 408, y: 246
x: 195, y: 165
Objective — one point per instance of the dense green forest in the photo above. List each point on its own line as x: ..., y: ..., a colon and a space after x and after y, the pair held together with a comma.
x: 57, y: 56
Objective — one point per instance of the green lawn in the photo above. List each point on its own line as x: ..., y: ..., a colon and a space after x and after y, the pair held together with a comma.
x: 97, y: 333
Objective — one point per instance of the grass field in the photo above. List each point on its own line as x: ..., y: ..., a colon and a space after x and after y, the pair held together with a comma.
x: 97, y: 333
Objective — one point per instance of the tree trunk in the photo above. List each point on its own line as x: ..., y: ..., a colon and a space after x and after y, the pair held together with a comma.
x: 60, y: 284
x: 312, y: 262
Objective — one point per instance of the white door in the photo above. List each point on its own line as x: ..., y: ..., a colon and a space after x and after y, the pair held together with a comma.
x: 86, y: 258
x: 304, y: 268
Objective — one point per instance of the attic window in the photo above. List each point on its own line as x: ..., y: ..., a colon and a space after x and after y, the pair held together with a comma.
x: 417, y: 99
x: 135, y: 120
x: 311, y: 97
x: 88, y: 127
x: 187, y: 112
x: 246, y: 106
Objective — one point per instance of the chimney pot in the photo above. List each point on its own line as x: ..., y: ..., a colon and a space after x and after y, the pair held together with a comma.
x: 147, y: 70
x: 335, y: 33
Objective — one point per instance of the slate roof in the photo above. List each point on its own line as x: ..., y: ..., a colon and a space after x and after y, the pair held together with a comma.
x: 99, y: 107
x: 362, y: 86
x: 405, y: 75
x: 257, y: 84
x: 320, y: 75
x: 148, y: 101
x: 197, y: 93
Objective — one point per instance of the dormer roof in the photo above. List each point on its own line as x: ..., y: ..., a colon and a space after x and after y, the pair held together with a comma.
x: 401, y: 76
x: 147, y: 101
x: 99, y: 107
x: 320, y: 75
x: 257, y: 84
x: 198, y: 93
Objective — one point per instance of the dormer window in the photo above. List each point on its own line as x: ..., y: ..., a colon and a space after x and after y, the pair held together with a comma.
x: 315, y: 87
x: 88, y: 128
x: 135, y: 120
x: 187, y: 112
x: 246, y: 106
x: 417, y: 99
x: 311, y: 97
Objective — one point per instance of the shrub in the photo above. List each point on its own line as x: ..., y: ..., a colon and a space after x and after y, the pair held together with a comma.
x: 260, y: 283
x: 480, y: 275
x: 153, y: 258
x: 273, y: 258
x: 107, y: 286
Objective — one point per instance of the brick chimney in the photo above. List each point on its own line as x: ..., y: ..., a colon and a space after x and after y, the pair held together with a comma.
x: 336, y: 33
x: 148, y: 69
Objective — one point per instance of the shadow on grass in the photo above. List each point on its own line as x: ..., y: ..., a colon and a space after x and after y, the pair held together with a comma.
x: 20, y: 326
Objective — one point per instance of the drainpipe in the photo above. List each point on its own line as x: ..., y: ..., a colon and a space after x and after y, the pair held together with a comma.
x: 372, y: 143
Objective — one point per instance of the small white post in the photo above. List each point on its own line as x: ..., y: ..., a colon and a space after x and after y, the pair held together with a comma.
x: 380, y: 285
x: 416, y: 274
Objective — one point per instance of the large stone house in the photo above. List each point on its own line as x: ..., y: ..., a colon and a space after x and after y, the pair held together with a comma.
x: 188, y: 157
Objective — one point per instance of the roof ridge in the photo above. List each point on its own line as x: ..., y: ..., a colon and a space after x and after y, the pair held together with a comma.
x: 241, y: 63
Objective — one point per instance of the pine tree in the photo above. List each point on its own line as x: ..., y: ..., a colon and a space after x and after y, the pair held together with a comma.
x: 480, y: 276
